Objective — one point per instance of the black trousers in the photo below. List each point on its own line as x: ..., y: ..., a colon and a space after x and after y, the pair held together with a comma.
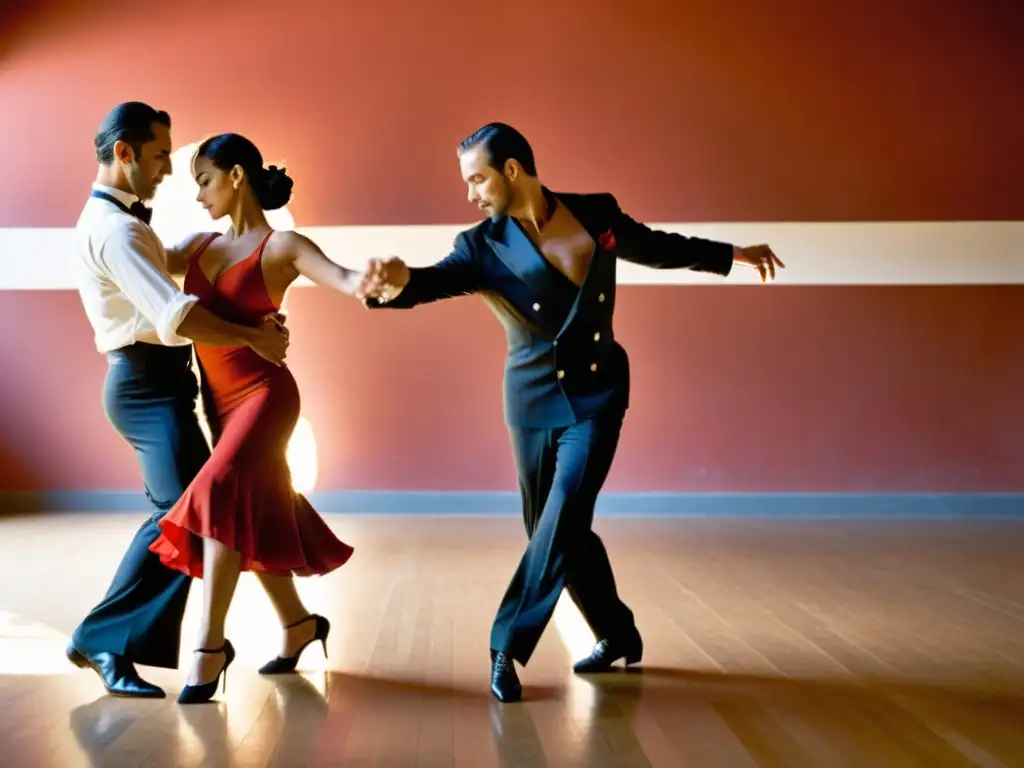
x: 561, y: 472
x: 150, y: 398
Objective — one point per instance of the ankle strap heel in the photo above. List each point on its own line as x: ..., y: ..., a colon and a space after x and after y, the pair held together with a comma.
x: 198, y: 694
x: 285, y: 664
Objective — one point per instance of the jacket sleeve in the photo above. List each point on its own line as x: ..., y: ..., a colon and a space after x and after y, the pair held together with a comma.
x: 654, y: 248
x: 458, y: 274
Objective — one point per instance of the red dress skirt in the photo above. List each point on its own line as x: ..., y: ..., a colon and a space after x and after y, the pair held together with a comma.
x: 243, y: 495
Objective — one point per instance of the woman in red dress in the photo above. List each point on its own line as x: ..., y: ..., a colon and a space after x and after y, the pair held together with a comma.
x: 241, y: 513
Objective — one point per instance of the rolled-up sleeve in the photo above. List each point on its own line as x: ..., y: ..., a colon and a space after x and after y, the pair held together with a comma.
x: 132, y: 259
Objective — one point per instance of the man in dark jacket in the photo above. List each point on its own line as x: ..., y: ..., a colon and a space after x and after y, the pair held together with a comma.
x: 545, y: 264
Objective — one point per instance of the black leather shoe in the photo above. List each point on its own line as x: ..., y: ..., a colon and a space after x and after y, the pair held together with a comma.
x: 117, y: 673
x: 505, y: 683
x: 609, y: 650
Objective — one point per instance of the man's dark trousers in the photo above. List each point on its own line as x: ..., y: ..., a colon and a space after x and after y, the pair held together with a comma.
x: 561, y: 472
x: 149, y: 397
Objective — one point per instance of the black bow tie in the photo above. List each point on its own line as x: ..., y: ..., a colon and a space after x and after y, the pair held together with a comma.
x: 138, y: 209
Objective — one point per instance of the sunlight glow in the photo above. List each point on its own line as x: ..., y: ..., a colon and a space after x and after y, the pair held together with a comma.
x: 301, y: 453
x: 30, y: 648
x: 572, y: 628
x: 578, y: 640
x: 252, y: 617
x: 302, y: 457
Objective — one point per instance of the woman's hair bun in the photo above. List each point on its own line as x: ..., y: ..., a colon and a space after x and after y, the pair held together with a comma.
x: 273, y: 188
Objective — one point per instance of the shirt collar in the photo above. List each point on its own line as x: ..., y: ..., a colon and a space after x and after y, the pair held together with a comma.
x: 125, y: 197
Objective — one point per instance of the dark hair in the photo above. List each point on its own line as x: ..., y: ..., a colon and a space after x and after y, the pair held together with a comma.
x: 272, y: 186
x: 132, y: 123
x: 502, y: 142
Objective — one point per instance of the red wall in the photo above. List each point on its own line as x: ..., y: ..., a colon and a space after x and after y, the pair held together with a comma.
x: 753, y: 111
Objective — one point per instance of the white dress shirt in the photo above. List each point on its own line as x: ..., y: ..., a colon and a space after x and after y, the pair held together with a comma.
x: 122, y: 277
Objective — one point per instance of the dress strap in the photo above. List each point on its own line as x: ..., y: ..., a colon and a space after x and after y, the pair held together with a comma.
x: 264, y: 243
x: 204, y: 245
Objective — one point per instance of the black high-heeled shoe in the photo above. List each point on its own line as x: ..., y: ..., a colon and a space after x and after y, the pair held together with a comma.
x: 200, y: 694
x: 283, y: 664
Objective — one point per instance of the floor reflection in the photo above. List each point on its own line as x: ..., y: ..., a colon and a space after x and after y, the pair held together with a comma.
x: 647, y: 716
x: 284, y: 732
x: 765, y: 645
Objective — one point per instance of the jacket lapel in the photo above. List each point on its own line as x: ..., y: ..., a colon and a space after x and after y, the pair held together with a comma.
x: 517, y: 252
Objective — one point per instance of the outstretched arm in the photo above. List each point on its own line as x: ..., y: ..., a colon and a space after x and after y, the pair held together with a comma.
x: 640, y: 244
x: 392, y: 284
x: 306, y: 258
x: 653, y: 248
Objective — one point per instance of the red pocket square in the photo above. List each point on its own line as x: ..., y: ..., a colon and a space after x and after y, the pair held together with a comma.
x: 607, y: 241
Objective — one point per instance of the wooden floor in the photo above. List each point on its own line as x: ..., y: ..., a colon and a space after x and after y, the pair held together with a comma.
x: 767, y: 644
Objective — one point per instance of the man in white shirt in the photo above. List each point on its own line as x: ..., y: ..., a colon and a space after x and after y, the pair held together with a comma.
x: 145, y: 325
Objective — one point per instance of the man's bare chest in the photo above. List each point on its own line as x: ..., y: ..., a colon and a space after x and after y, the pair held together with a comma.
x: 569, y: 249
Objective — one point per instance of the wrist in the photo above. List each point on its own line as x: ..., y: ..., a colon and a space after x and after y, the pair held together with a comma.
x: 352, y: 282
x: 248, y: 336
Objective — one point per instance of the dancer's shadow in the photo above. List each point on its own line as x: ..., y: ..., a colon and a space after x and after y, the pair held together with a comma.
x: 879, y: 714
x: 970, y: 688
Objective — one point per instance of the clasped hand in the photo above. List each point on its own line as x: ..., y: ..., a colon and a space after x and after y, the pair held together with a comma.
x: 383, y: 279
x: 271, y: 340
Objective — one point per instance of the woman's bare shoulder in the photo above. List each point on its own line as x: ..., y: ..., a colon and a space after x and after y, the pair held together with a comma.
x: 288, y: 240
x: 286, y: 245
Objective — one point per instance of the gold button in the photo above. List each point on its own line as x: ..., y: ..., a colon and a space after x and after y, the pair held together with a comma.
x: 561, y: 374
x: 536, y: 307
x: 593, y: 366
x: 597, y: 336
x: 600, y: 297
